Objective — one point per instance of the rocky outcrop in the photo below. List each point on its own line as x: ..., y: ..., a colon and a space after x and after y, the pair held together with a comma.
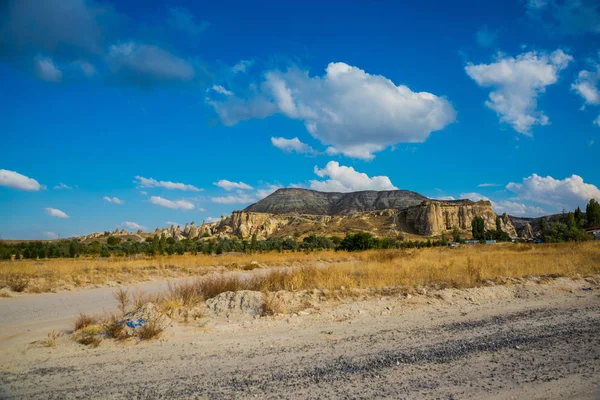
x: 433, y: 217
x: 312, y: 202
x: 243, y: 302
x: 526, y: 232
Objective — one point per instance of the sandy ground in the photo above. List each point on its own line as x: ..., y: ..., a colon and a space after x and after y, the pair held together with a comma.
x: 534, y: 341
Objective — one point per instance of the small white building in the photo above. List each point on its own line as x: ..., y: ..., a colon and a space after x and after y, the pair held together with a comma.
x: 594, y: 230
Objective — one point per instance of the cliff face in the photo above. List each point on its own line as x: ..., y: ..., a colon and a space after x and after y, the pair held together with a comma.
x: 311, y: 202
x: 432, y: 217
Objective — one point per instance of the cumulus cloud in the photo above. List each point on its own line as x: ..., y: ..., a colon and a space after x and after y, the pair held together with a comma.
x: 567, y: 17
x: 228, y: 185
x: 586, y: 85
x: 46, y: 70
x: 444, y: 198
x: 145, y: 65
x: 50, y: 235
x: 292, y: 145
x: 517, y: 209
x: 210, y: 220
x: 517, y: 82
x: 182, y: 19
x: 114, y: 200
x: 597, y: 121
x: 473, y: 196
x: 133, y: 226
x: 15, y: 180
x: 173, y: 204
x: 347, y: 179
x: 153, y: 183
x: 234, y: 199
x: 54, y: 212
x: 355, y: 112
x: 567, y: 193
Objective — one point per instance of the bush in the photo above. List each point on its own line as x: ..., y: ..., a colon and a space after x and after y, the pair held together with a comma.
x: 152, y: 329
x: 84, y: 320
x: 17, y: 282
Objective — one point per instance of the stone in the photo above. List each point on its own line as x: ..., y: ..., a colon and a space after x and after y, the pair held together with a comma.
x: 243, y: 302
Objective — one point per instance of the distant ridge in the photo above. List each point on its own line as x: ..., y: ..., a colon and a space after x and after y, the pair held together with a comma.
x: 306, y: 201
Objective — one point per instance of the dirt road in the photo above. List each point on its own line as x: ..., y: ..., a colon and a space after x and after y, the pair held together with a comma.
x: 527, y: 341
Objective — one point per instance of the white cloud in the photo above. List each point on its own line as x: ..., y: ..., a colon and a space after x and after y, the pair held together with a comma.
x: 347, y: 108
x: 586, y: 85
x: 444, y: 198
x: 143, y: 64
x: 473, y: 196
x: 62, y: 186
x: 114, y: 200
x: 133, y: 226
x: 569, y: 193
x: 228, y: 185
x: 517, y: 209
x: 210, y: 220
x: 292, y: 145
x: 517, y: 83
x: 347, y: 179
x: 222, y: 90
x: 54, y: 212
x: 485, y: 37
x: 597, y: 121
x: 46, y: 70
x: 153, y: 183
x: 173, y: 204
x: 15, y: 180
x: 262, y: 193
x: 242, y: 66
x: 239, y: 199
x: 591, y: 143
x: 169, y: 223
x: 50, y: 235
x: 488, y: 185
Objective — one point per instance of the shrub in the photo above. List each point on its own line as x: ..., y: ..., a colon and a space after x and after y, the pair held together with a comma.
x: 17, y: 282
x: 84, y: 320
x: 152, y: 329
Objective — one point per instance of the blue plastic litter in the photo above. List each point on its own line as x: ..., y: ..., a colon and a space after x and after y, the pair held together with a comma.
x: 132, y: 323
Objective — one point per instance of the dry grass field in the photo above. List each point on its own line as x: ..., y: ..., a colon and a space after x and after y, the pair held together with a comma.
x: 465, y: 266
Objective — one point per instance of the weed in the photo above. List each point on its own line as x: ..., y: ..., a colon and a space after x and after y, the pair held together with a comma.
x: 84, y: 320
x: 51, y: 339
x: 17, y: 282
x: 122, y: 297
x: 152, y: 329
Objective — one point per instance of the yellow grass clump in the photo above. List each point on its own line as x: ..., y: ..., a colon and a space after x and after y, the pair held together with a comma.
x: 465, y: 266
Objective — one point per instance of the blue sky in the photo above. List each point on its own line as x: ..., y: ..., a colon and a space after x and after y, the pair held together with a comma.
x: 144, y: 113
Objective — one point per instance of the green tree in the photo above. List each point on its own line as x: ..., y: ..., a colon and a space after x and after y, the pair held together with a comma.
x: 592, y: 213
x: 253, y: 243
x: 456, y: 235
x: 579, y: 217
x: 478, y: 228
x: 113, y: 241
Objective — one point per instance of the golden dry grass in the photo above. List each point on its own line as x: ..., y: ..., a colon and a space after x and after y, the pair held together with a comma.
x: 49, y: 274
x: 465, y: 266
x: 393, y: 269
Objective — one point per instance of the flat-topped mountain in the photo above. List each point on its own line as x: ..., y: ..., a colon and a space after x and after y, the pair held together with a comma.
x: 305, y: 201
